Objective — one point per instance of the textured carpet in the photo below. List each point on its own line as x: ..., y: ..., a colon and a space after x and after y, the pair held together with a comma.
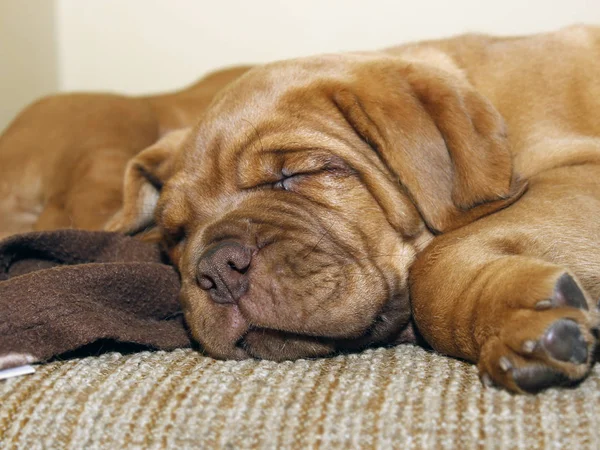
x: 401, y: 398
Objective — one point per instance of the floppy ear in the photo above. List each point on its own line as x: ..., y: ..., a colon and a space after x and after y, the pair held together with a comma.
x: 444, y: 141
x: 144, y: 177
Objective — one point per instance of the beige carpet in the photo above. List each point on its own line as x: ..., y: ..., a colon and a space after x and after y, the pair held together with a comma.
x: 403, y: 398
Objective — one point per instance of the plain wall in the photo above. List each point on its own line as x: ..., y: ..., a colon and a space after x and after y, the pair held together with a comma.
x: 28, y: 54
x: 142, y: 46
x: 148, y: 45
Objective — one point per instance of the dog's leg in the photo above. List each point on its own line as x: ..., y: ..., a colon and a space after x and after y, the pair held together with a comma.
x: 16, y: 216
x: 527, y: 323
x: 53, y: 216
x: 94, y: 196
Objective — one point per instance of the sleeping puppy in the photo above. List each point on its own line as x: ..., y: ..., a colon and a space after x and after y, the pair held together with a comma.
x: 318, y: 195
x: 62, y: 159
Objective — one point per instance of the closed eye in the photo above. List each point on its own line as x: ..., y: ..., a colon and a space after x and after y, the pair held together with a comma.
x: 290, y: 179
x: 287, y: 182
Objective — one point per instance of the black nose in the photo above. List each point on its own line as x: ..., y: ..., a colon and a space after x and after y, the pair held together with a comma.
x: 223, y: 271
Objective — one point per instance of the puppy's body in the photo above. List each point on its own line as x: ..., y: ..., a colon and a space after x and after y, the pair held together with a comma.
x: 545, y: 87
x: 475, y: 290
x: 62, y: 159
x: 311, y: 187
x: 298, y: 205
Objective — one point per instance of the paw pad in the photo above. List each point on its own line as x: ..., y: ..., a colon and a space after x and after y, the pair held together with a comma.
x: 564, y: 342
x: 567, y: 294
x: 536, y: 378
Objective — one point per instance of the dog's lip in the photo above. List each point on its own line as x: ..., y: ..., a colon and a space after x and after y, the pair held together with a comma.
x: 240, y: 349
x: 243, y: 345
x: 245, y: 318
x: 340, y: 344
x: 251, y: 312
x: 237, y: 327
x: 256, y: 325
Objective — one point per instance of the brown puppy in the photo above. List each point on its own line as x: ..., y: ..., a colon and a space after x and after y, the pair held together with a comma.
x: 298, y: 205
x: 62, y: 159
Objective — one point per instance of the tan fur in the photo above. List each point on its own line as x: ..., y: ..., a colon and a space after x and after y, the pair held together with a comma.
x: 62, y: 159
x: 491, y: 144
x: 469, y: 163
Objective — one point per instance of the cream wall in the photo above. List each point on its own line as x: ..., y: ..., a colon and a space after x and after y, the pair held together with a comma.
x: 138, y: 46
x: 147, y: 45
x: 28, y: 57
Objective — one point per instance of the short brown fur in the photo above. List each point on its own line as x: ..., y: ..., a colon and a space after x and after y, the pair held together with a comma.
x: 470, y: 162
x: 62, y: 159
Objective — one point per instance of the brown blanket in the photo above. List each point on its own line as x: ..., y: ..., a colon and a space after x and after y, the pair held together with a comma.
x: 65, y: 289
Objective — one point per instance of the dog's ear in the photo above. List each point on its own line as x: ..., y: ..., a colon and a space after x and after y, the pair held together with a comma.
x: 445, y: 143
x: 144, y: 177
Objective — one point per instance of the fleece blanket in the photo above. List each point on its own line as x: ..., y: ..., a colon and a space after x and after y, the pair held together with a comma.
x: 66, y: 289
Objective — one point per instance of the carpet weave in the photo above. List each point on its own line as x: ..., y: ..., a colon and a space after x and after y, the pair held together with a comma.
x: 401, y: 398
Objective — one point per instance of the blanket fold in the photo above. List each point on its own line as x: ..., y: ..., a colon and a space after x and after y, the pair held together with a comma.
x: 61, y: 290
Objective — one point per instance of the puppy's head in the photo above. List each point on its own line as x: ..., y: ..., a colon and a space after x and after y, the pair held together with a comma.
x: 295, y: 208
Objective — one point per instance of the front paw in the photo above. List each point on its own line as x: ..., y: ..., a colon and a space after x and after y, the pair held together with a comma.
x: 543, y: 343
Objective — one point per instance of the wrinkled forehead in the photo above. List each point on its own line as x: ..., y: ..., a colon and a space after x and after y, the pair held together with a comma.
x: 264, y: 86
x: 266, y: 109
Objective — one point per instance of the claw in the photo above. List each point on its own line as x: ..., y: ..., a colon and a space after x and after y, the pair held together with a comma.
x: 568, y: 293
x: 529, y: 346
x: 487, y: 380
x: 544, y: 304
x: 505, y: 364
x: 535, y: 378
